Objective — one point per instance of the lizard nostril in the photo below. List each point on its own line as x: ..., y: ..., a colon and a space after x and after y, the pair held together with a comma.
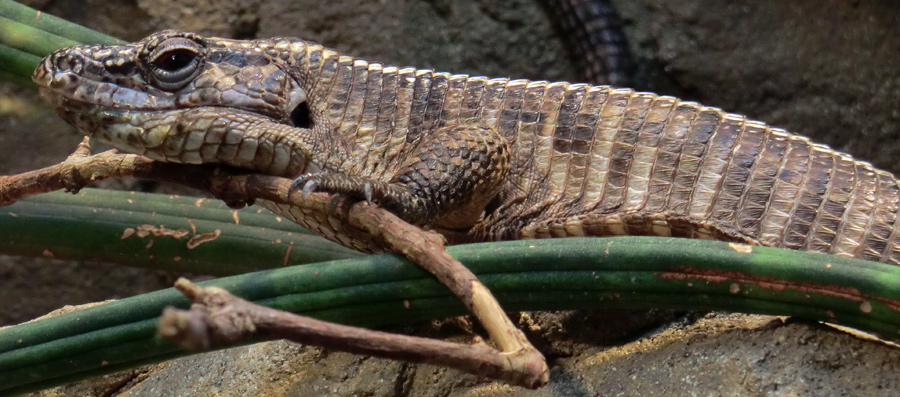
x: 60, y: 62
x: 67, y: 61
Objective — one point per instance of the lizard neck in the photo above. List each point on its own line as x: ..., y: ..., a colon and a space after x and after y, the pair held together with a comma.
x: 377, y: 111
x: 314, y: 67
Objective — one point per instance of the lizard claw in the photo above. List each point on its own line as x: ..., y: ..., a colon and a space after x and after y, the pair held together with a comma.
x: 309, y: 187
x: 369, y: 192
x: 295, y: 185
x: 306, y: 184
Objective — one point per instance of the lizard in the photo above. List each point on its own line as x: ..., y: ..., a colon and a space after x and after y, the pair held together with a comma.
x: 474, y: 158
x: 594, y: 35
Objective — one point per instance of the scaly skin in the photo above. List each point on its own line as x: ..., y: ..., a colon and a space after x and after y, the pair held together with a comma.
x: 594, y: 34
x: 476, y: 158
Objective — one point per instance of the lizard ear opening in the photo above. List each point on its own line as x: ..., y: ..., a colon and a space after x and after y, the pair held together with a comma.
x: 300, y: 116
x: 492, y: 206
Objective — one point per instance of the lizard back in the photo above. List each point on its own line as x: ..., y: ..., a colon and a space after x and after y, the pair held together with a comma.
x: 597, y: 161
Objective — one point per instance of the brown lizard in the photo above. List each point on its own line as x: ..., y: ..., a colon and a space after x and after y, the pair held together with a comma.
x: 476, y: 159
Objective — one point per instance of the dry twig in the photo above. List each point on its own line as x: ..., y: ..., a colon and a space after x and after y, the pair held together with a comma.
x: 218, y: 317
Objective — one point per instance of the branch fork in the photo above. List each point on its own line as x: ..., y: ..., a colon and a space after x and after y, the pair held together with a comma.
x: 218, y: 319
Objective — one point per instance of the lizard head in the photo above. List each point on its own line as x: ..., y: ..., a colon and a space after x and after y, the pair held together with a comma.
x: 150, y: 96
x: 171, y: 70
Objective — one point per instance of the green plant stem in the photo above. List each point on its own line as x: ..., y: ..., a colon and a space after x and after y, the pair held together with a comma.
x: 104, y: 225
x: 621, y: 272
x: 53, y: 25
x: 27, y: 35
x: 30, y: 39
x: 17, y: 64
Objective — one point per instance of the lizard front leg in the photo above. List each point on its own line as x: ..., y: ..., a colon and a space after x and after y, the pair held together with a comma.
x: 445, y: 180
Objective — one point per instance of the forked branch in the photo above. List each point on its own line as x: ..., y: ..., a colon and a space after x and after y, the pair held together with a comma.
x: 219, y: 318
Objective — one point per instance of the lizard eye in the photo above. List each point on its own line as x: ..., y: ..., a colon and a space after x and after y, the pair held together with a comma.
x: 175, y: 60
x: 174, y: 63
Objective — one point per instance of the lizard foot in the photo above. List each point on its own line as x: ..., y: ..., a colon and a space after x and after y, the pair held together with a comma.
x: 395, y: 197
x: 446, y: 180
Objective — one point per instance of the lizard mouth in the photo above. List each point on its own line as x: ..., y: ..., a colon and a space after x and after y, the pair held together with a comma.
x: 195, y: 135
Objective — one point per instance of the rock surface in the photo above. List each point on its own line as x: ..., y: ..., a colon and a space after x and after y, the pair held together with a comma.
x: 828, y: 69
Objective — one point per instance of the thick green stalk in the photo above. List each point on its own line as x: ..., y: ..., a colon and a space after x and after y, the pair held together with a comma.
x: 17, y: 64
x: 620, y: 272
x: 27, y: 35
x: 159, y: 231
x: 52, y: 25
x: 29, y: 39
